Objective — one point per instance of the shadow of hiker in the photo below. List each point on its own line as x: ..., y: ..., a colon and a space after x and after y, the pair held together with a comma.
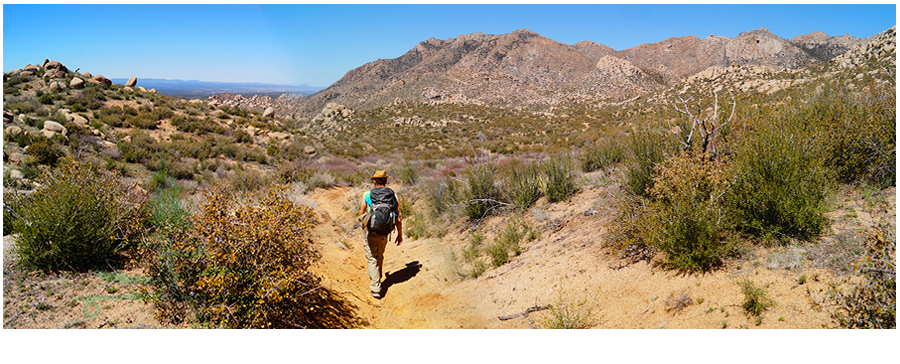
x: 400, y: 276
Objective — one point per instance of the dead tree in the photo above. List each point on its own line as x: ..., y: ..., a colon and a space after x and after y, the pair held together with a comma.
x: 706, y: 128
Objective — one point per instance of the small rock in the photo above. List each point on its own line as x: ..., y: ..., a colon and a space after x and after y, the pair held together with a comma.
x: 17, y: 158
x: 76, y: 83
x: 55, y: 127
x: 269, y: 113
x: 131, y: 82
x: 13, y: 130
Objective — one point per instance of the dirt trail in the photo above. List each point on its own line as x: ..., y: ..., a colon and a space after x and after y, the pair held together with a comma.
x: 418, y: 292
x: 565, y: 268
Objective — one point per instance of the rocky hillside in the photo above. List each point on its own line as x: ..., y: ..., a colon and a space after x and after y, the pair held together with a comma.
x: 524, y: 68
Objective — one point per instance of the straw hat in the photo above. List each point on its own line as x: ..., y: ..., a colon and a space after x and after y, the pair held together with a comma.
x: 380, y: 174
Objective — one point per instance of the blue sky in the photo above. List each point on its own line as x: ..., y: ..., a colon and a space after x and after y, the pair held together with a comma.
x: 317, y: 44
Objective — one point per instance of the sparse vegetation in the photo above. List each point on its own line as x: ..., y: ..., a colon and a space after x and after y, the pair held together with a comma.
x: 756, y: 299
x: 565, y: 314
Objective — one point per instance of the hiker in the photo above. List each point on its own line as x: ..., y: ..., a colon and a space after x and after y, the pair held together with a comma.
x: 379, y: 215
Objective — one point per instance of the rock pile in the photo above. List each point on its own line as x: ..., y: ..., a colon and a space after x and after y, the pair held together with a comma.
x: 334, y: 116
x: 880, y: 47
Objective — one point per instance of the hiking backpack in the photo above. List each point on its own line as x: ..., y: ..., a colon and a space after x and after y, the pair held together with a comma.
x: 383, y: 204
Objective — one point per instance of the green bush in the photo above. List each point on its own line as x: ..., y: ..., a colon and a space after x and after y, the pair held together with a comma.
x: 442, y: 196
x: 482, y: 197
x: 49, y: 98
x: 565, y: 314
x: 780, y: 183
x: 246, y: 180
x: 523, y: 184
x: 408, y: 173
x: 857, y: 134
x: 82, y: 103
x: 44, y: 151
x: 646, y: 149
x: 559, y: 174
x: 167, y: 212
x: 602, y: 155
x: 79, y: 220
x: 241, y: 265
x: 690, y: 214
x: 756, y: 300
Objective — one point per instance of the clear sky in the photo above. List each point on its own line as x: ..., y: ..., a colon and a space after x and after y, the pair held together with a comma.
x: 295, y: 44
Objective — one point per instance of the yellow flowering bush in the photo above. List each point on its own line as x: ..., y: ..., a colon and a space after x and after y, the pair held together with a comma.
x: 243, y: 264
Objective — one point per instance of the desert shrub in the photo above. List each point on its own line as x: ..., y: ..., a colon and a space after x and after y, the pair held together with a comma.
x: 167, y: 212
x: 187, y: 147
x: 161, y: 179
x: 559, y: 178
x: 756, y: 300
x: 780, y: 184
x: 482, y: 197
x: 83, y: 102
x: 44, y: 151
x: 690, y: 213
x: 857, y: 134
x: 293, y: 171
x: 248, y: 180
x: 472, y: 251
x: 565, y: 314
x: 321, y: 180
x: 241, y: 265
x: 508, y: 242
x: 142, y: 149
x: 408, y: 173
x: 471, y: 255
x: 629, y: 235
x: 25, y: 106
x: 415, y: 225
x: 498, y: 254
x: 191, y: 124
x: 79, y: 219
x: 872, y: 304
x: 442, y: 195
x: 49, y: 98
x: 15, y: 81
x: 241, y: 136
x: 112, y: 116
x: 522, y: 184
x: 602, y: 154
x: 645, y: 149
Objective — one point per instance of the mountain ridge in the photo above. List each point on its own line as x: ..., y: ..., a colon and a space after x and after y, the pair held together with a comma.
x: 524, y: 68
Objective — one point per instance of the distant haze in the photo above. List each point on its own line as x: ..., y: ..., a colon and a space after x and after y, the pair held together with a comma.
x: 194, y: 89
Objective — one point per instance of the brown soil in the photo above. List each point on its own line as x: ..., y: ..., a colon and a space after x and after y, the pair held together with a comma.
x: 566, y: 268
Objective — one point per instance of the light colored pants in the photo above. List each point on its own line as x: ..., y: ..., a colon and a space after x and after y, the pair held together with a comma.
x: 375, y: 245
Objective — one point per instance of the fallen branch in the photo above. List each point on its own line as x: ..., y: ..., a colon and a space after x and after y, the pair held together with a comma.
x: 507, y: 270
x: 529, y: 310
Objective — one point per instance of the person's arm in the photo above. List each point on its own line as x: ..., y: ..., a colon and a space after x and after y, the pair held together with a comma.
x: 399, y: 227
x: 362, y: 208
x: 399, y: 224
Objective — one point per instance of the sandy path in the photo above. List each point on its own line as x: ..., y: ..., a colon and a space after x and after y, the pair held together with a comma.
x: 566, y: 267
